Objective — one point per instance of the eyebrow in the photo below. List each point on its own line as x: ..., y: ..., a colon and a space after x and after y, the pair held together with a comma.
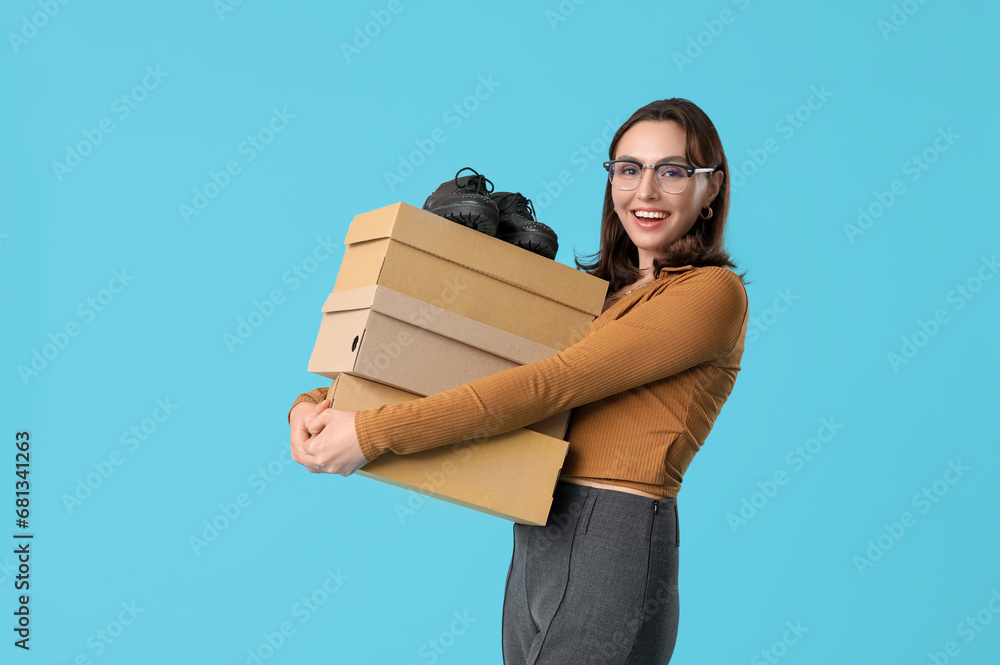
x: 662, y: 160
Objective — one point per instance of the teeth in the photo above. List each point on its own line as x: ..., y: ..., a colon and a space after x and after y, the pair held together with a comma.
x: 650, y: 215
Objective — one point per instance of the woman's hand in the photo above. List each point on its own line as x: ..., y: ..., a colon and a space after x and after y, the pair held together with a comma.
x: 299, y: 418
x: 324, y: 440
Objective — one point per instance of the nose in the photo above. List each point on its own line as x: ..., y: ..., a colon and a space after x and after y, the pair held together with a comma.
x: 648, y: 188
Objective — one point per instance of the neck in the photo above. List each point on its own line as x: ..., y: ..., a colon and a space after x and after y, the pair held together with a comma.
x: 646, y: 264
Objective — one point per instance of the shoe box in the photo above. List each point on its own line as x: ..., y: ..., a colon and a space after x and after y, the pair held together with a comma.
x: 510, y: 475
x: 423, y: 304
x: 437, y: 261
x: 383, y: 335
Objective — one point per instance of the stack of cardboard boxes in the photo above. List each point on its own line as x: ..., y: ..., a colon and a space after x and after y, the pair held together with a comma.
x: 421, y: 305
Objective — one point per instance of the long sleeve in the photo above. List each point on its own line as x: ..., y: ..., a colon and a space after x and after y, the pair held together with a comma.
x: 313, y: 397
x: 693, y: 319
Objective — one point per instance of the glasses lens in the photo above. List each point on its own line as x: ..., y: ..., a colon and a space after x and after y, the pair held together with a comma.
x: 672, y: 179
x: 624, y: 175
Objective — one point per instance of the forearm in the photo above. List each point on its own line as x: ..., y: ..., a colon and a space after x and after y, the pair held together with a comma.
x: 688, y: 324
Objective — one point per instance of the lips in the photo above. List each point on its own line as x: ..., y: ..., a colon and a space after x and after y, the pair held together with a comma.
x: 648, y: 222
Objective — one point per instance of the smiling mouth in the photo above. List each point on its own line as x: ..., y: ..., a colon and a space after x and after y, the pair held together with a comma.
x: 648, y: 219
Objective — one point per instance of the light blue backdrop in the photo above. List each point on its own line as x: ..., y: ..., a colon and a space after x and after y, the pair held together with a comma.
x: 862, y: 137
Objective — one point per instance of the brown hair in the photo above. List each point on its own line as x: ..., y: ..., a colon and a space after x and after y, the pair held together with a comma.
x: 617, y: 259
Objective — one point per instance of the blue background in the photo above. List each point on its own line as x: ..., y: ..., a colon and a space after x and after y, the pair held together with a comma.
x: 559, y: 75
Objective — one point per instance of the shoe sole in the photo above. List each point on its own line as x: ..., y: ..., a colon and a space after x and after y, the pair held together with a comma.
x: 533, y: 243
x: 472, y: 216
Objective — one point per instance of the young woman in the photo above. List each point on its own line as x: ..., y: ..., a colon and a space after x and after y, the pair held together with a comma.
x: 598, y: 583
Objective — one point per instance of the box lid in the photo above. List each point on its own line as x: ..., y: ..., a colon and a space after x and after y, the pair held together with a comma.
x: 477, y: 251
x: 424, y: 315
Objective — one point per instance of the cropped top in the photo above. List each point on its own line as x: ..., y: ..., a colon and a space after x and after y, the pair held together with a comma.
x: 645, y: 383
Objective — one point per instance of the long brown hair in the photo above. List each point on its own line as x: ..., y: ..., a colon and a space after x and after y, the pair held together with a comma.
x: 617, y: 260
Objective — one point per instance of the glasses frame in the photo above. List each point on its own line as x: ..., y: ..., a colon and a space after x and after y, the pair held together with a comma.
x: 690, y: 170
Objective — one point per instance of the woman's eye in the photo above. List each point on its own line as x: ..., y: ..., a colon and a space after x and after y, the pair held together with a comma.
x: 628, y: 170
x: 672, y: 172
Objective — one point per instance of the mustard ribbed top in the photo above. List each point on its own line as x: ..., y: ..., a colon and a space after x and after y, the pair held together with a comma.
x: 645, y: 383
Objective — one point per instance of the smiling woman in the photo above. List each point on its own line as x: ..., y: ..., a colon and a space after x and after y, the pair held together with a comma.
x: 658, y: 209
x: 673, y: 216
x: 646, y: 383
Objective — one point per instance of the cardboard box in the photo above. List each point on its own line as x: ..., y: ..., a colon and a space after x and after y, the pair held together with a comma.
x: 511, y: 475
x: 380, y: 334
x: 437, y: 261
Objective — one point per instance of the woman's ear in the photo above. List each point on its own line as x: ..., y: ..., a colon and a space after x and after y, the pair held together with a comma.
x: 714, y: 185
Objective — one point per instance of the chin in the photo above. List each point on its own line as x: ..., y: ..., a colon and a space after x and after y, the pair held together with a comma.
x: 652, y: 245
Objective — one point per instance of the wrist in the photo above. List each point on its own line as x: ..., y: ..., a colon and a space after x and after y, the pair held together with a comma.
x: 302, y: 405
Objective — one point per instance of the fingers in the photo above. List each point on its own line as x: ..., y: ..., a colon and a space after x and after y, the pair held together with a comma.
x: 326, y: 442
x: 319, y: 422
x: 317, y: 409
x: 301, y: 434
x: 301, y: 410
x: 299, y: 437
x: 320, y: 410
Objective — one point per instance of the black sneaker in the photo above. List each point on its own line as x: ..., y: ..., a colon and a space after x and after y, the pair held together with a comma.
x: 466, y: 200
x: 519, y: 227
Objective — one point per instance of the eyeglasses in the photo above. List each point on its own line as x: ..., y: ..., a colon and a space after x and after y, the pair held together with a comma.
x: 626, y: 175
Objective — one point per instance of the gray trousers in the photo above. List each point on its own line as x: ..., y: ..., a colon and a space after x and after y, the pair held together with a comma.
x: 596, y: 584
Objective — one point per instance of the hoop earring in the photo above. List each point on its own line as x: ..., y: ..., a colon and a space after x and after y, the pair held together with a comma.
x: 710, y: 213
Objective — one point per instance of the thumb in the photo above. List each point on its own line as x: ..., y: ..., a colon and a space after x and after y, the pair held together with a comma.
x: 318, y: 410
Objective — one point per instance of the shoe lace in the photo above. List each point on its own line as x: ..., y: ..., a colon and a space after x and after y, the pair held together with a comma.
x: 522, y: 205
x: 477, y: 182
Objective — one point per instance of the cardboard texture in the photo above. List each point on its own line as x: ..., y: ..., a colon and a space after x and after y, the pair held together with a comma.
x: 511, y: 475
x: 380, y: 334
x: 437, y: 261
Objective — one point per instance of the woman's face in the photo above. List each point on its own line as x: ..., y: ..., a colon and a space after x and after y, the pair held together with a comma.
x: 667, y: 216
